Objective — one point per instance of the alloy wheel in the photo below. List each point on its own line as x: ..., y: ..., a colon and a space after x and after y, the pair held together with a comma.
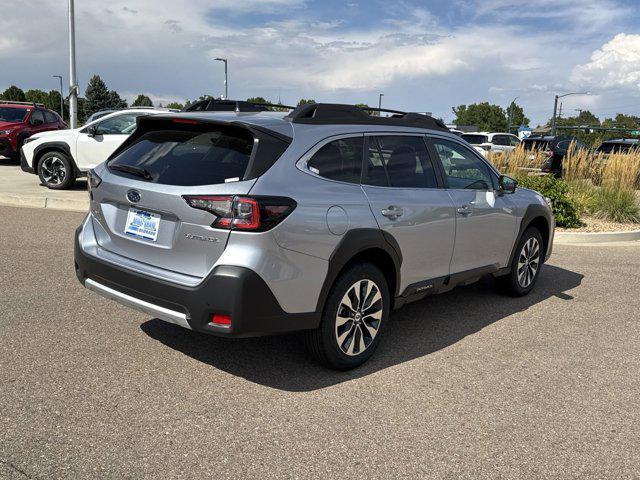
x: 359, y: 317
x: 528, y: 262
x: 53, y: 170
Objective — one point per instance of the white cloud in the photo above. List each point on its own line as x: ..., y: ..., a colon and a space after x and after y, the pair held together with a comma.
x: 615, y: 64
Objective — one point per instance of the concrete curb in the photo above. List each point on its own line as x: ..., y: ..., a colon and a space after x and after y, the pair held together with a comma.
x: 68, y: 204
x: 569, y: 238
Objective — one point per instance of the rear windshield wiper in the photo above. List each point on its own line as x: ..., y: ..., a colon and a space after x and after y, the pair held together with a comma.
x: 137, y: 171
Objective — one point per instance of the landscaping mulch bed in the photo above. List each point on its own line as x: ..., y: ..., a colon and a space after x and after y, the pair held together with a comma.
x: 592, y: 225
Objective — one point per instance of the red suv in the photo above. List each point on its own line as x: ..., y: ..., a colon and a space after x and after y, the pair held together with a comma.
x: 20, y: 120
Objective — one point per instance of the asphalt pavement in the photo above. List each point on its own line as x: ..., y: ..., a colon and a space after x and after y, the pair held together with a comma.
x: 469, y: 384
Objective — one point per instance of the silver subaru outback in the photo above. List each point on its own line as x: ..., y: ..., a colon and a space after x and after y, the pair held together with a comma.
x: 250, y: 223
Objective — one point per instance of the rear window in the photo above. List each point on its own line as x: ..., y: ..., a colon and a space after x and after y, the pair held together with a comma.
x: 616, y: 147
x: 535, y: 144
x: 189, y: 158
x: 475, y: 139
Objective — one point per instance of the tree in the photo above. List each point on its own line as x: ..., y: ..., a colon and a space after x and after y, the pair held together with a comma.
x: 257, y: 100
x: 622, y: 121
x: 304, y: 101
x: 483, y: 115
x: 98, y: 97
x: 175, y: 106
x: 13, y: 93
x: 38, y: 96
x: 517, y: 115
x: 142, y: 101
x: 584, y: 118
x: 115, y: 101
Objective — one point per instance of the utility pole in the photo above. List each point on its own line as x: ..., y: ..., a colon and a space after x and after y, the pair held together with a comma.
x: 560, y: 111
x: 555, y: 109
x: 226, y: 78
x: 61, y: 96
x: 73, y: 81
x: 380, y: 104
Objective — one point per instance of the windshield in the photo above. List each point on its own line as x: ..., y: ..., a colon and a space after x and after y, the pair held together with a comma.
x: 189, y: 158
x: 12, y: 114
x: 475, y: 139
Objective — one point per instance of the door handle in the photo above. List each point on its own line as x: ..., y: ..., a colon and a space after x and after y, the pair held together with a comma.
x: 464, y: 210
x: 392, y: 212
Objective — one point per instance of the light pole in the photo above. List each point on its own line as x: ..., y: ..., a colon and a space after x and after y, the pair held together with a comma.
x: 555, y: 108
x: 61, y: 96
x: 510, y: 113
x: 73, y: 81
x: 226, y: 78
x: 380, y: 104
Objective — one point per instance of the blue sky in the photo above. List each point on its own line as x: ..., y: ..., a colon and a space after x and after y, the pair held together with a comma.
x: 423, y: 55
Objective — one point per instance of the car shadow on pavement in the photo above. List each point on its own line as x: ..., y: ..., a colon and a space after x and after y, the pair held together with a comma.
x: 415, y: 330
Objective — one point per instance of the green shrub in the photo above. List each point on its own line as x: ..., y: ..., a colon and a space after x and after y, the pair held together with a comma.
x: 565, y: 208
x: 616, y: 203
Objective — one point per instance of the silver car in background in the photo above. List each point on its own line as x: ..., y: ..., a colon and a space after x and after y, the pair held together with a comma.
x: 254, y: 222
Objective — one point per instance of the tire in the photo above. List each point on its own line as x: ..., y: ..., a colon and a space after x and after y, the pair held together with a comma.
x: 527, y: 263
x: 56, y: 171
x: 348, y: 333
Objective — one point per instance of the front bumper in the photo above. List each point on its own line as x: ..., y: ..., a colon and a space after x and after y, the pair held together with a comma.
x: 228, y: 290
x: 6, y: 149
x: 24, y: 166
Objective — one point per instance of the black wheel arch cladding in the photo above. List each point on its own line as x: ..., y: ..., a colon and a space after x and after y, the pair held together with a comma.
x: 354, y: 244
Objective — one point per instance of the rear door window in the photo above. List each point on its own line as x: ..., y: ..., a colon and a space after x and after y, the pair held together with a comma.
x: 50, y: 117
x: 399, y: 161
x: 501, y: 140
x: 188, y: 158
x: 339, y: 160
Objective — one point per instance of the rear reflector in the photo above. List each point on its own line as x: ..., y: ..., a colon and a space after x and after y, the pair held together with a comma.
x: 249, y: 214
x: 221, y: 320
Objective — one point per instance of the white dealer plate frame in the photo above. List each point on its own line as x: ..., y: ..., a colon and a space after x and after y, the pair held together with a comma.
x: 142, y: 224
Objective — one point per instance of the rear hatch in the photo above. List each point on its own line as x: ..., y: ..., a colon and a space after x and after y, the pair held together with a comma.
x: 140, y: 197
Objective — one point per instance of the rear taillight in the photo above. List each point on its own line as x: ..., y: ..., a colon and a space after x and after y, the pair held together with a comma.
x: 251, y: 214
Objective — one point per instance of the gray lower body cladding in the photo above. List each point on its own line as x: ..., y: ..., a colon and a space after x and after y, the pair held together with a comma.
x: 228, y: 290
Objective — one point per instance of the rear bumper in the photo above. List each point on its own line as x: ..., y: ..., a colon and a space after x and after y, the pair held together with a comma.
x: 228, y: 290
x: 24, y: 165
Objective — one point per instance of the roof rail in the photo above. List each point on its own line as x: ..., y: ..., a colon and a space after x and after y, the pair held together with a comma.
x: 335, y: 113
x: 31, y: 104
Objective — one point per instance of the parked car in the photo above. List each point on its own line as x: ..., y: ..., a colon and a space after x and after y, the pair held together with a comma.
x: 485, y: 142
x: 58, y: 158
x: 21, y: 120
x: 240, y: 224
x: 618, y: 145
x: 555, y: 148
x: 99, y: 114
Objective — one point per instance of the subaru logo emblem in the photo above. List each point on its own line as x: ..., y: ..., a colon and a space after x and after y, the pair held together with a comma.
x: 133, y: 196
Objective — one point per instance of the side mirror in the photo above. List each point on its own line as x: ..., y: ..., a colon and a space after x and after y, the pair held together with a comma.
x: 507, y: 184
x: 92, y: 131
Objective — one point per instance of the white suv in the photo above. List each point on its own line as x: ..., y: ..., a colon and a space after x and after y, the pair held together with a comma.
x: 59, y: 157
x: 485, y: 142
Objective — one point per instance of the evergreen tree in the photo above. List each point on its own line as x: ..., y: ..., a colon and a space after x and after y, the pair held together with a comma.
x: 142, y: 101
x: 96, y: 95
